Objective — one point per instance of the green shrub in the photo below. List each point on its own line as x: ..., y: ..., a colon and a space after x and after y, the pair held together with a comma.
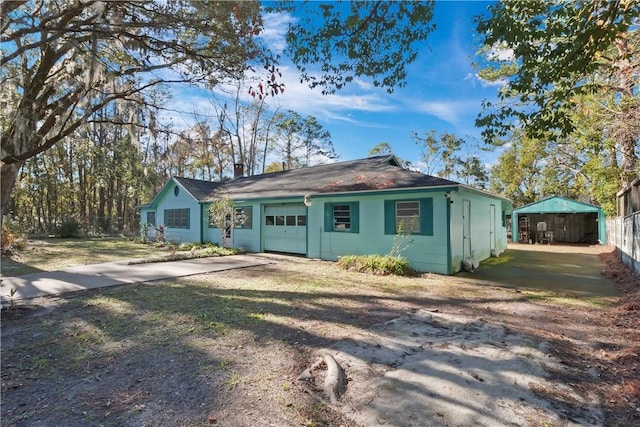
x: 213, y: 250
x: 376, y: 264
x: 189, y: 251
x: 187, y: 246
x: 69, y: 228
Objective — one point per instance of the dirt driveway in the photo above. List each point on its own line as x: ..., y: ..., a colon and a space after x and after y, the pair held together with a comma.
x: 565, y: 269
x: 226, y: 348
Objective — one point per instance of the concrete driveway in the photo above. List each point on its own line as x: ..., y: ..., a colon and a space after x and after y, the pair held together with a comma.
x: 575, y: 270
x: 115, y: 273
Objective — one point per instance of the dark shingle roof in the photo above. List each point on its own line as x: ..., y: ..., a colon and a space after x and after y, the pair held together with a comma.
x: 374, y: 173
x: 198, y: 188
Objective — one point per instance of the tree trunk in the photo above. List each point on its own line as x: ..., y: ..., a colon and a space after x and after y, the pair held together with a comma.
x: 626, y: 129
x: 8, y: 175
x: 628, y: 158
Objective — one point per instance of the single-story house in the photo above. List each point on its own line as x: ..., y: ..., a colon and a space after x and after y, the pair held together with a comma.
x: 337, y: 209
x: 558, y: 219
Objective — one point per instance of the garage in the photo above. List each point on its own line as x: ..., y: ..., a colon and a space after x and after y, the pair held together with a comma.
x: 285, y: 228
x: 558, y: 219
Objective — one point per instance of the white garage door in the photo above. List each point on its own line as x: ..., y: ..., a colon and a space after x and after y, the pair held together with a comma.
x: 285, y: 228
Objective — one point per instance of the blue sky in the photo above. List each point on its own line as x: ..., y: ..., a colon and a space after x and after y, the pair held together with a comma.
x: 443, y: 93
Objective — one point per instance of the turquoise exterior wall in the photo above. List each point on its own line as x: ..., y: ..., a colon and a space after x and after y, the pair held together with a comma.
x: 602, y: 227
x: 438, y: 249
x: 181, y: 201
x: 247, y: 239
x: 209, y: 234
x: 143, y: 219
x: 480, y: 235
x: 426, y: 253
x: 167, y: 199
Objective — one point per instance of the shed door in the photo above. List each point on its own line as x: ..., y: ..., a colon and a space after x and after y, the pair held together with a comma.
x: 285, y: 228
x: 466, y: 228
x: 492, y: 227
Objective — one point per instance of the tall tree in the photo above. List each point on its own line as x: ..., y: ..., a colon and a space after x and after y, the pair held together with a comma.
x: 62, y: 61
x: 550, y: 54
x: 299, y: 139
x: 288, y: 144
x: 357, y: 39
x: 472, y: 172
x: 249, y: 127
x: 517, y: 173
x: 316, y: 141
x: 439, y: 152
x: 380, y: 149
x: 94, y: 178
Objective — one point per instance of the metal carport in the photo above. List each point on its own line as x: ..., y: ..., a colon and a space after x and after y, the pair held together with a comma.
x: 558, y: 219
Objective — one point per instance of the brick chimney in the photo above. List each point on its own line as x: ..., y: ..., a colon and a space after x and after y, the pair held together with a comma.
x: 238, y: 170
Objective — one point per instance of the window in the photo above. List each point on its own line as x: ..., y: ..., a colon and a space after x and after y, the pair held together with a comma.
x: 415, y: 216
x: 176, y: 218
x: 244, y: 217
x: 342, y: 217
x: 151, y: 218
x: 288, y: 220
x: 176, y: 191
x: 408, y: 217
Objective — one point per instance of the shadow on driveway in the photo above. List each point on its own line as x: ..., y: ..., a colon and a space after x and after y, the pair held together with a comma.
x: 561, y: 269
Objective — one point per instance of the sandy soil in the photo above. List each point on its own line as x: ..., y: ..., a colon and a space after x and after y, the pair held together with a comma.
x: 437, y: 351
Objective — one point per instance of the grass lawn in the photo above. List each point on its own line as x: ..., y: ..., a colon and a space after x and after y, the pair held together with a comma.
x: 226, y: 348
x: 55, y: 254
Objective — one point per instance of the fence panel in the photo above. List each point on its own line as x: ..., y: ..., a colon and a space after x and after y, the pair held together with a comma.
x: 624, y: 234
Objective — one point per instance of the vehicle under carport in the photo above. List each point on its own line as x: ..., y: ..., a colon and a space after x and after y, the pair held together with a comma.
x: 558, y: 219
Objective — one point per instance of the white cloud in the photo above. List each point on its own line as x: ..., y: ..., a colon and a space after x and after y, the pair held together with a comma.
x: 419, y: 166
x: 274, y: 34
x: 362, y: 84
x: 500, y: 54
x: 494, y: 83
x: 475, y: 77
x: 189, y: 104
x: 299, y: 97
x: 304, y: 100
x: 453, y: 112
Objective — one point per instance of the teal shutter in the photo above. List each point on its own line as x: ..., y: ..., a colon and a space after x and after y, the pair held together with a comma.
x: 426, y: 217
x: 389, y: 217
x: 188, y: 221
x: 328, y: 217
x: 355, y: 217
